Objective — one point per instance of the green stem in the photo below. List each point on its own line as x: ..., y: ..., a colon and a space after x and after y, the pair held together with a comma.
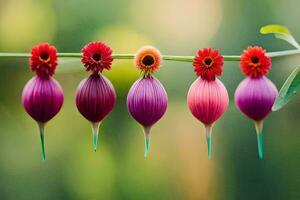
x: 147, y: 140
x: 95, y: 129
x: 259, y: 133
x: 178, y: 58
x: 208, y: 129
x: 284, y: 53
x: 41, y: 130
x: 165, y: 57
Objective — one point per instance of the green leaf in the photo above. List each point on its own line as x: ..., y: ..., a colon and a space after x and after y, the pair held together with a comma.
x: 280, y: 32
x: 288, y: 90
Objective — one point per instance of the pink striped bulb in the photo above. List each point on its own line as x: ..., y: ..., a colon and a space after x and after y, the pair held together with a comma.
x: 208, y: 101
x: 207, y: 97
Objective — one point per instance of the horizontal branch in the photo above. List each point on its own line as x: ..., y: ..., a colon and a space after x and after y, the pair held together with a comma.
x: 165, y: 57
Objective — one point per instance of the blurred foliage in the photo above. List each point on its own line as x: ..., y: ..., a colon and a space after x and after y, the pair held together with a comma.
x: 177, y: 167
x: 289, y: 89
x: 280, y: 32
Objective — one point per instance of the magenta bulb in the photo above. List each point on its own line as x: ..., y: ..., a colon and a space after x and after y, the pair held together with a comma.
x: 147, y: 102
x: 95, y: 99
x: 255, y: 97
x: 42, y: 98
x: 42, y: 95
x: 95, y: 95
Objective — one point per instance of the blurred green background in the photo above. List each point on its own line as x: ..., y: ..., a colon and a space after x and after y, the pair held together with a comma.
x: 177, y: 167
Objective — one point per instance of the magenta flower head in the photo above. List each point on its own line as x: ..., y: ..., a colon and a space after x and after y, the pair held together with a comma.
x: 147, y: 99
x: 42, y: 95
x: 256, y: 94
x: 207, y: 97
x: 95, y: 95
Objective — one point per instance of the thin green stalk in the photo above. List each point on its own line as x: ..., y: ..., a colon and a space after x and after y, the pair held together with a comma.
x: 123, y: 56
x: 165, y: 57
x: 147, y: 140
x: 42, y: 137
x: 178, y: 58
x: 208, y: 130
x: 284, y: 53
x: 14, y: 55
x: 95, y: 129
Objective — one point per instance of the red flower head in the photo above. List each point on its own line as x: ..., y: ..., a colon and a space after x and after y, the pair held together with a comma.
x: 43, y: 59
x: 148, y: 59
x: 255, y: 62
x: 208, y: 64
x: 96, y: 57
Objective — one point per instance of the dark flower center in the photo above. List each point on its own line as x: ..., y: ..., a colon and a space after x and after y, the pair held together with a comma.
x: 44, y: 56
x: 254, y: 60
x: 97, y: 57
x: 148, y: 60
x: 208, y: 62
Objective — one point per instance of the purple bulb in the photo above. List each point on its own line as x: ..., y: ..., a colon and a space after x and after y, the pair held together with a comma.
x: 256, y: 94
x: 95, y: 99
x: 147, y: 102
x: 42, y: 99
x: 255, y: 97
x: 42, y: 96
x: 95, y: 95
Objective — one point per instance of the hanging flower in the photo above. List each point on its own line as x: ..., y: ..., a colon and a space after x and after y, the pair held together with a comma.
x: 207, y: 97
x: 255, y: 62
x: 147, y: 59
x: 95, y: 95
x: 147, y: 99
x: 208, y: 64
x: 42, y: 95
x: 256, y: 94
x: 96, y: 57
